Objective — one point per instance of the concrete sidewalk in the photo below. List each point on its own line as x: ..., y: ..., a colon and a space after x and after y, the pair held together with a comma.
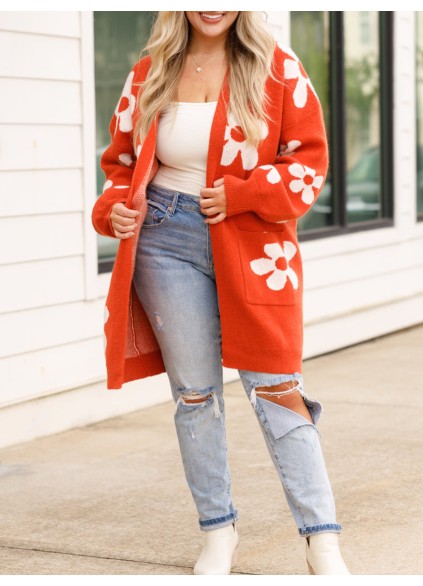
x: 111, y: 498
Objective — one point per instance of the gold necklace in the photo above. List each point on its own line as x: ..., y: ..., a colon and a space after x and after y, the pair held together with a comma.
x: 199, y: 68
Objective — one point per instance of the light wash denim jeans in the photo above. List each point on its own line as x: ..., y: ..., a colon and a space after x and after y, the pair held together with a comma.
x: 175, y: 281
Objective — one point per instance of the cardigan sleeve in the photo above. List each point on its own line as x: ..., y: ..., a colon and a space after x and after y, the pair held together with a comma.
x: 286, y: 189
x: 118, y: 160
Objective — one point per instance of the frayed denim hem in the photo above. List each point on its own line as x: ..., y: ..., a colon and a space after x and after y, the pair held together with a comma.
x: 333, y: 527
x: 211, y: 524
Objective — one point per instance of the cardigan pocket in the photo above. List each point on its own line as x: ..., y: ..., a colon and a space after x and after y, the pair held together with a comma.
x: 156, y: 214
x: 271, y: 267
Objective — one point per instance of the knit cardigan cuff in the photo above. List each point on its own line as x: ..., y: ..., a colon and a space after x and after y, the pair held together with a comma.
x: 242, y: 195
x: 102, y: 209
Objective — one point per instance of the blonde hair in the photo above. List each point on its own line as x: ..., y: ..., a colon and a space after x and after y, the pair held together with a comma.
x: 250, y: 50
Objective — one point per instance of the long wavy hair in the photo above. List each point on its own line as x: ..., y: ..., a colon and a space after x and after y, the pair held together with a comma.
x: 250, y: 48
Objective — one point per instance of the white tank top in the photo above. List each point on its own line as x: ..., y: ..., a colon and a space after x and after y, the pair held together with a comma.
x: 182, y: 146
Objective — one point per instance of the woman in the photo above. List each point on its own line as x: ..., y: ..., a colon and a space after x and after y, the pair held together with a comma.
x: 218, y: 146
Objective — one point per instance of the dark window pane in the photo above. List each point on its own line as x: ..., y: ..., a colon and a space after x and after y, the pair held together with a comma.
x: 310, y: 39
x: 419, y: 73
x: 118, y: 40
x: 362, y: 96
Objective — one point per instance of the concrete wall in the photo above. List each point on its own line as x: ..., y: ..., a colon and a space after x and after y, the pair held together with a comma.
x: 52, y: 368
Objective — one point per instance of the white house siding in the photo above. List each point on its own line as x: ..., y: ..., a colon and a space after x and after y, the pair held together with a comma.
x: 52, y: 368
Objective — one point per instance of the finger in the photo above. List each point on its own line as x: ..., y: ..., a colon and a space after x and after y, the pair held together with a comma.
x: 123, y: 235
x: 122, y: 210
x: 210, y: 201
x: 211, y: 211
x: 216, y: 220
x: 124, y: 228
x: 207, y: 203
x: 219, y: 182
x: 208, y: 192
x: 122, y: 220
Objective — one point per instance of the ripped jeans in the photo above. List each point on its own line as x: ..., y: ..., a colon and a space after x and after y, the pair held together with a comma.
x: 174, y: 279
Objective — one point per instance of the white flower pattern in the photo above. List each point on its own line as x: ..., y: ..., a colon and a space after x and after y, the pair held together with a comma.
x: 273, y: 175
x: 294, y: 71
x: 126, y: 159
x: 236, y: 143
x: 278, y: 264
x: 109, y: 184
x: 125, y: 107
x: 306, y: 182
x: 289, y: 149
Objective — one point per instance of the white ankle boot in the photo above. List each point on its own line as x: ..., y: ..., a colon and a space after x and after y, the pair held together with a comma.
x: 323, y: 555
x: 219, y: 551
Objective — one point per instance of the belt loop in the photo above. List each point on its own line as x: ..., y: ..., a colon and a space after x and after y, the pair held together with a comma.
x: 172, y: 206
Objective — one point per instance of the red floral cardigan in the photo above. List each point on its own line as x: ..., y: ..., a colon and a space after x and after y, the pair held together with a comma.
x: 257, y: 260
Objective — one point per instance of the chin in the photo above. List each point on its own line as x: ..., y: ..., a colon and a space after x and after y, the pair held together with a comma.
x: 211, y: 22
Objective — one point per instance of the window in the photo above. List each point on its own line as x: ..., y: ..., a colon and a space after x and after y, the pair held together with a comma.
x: 348, y: 57
x: 310, y: 33
x: 118, y: 40
x: 419, y: 78
x: 366, y: 27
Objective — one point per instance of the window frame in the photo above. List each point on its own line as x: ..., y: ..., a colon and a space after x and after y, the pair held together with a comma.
x: 419, y: 214
x: 106, y: 264
x: 337, y: 131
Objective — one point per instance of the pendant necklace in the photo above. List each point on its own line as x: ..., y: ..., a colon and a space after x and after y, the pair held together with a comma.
x: 199, y: 68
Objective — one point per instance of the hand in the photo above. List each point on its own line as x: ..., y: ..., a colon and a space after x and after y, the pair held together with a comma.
x: 213, y: 201
x: 123, y: 220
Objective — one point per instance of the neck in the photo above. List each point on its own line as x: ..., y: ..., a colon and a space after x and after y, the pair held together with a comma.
x: 206, y: 47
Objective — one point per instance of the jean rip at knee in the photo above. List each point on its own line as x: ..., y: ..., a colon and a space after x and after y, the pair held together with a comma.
x: 194, y: 399
x: 277, y: 418
x: 292, y: 385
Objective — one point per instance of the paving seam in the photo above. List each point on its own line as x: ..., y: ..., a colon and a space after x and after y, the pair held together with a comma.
x: 100, y: 557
